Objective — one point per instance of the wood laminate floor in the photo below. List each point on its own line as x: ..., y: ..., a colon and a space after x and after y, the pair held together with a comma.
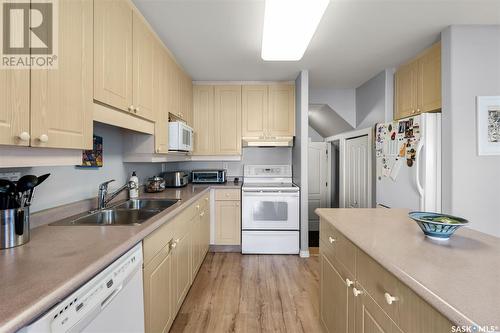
x: 252, y: 293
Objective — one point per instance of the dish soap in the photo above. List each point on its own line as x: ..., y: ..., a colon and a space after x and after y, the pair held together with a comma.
x: 134, y: 192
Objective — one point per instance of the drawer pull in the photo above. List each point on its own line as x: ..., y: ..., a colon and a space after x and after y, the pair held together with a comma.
x: 349, y: 282
x: 390, y: 299
x: 331, y: 239
x: 356, y: 292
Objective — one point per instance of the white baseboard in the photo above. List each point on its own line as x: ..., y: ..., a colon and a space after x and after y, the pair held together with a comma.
x: 304, y: 253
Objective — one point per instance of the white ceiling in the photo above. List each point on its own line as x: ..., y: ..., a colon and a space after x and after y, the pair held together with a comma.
x: 356, y: 39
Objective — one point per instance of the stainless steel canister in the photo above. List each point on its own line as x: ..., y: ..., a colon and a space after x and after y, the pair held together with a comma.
x: 14, y: 227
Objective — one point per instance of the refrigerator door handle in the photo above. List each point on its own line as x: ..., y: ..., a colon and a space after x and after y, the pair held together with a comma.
x: 420, y: 189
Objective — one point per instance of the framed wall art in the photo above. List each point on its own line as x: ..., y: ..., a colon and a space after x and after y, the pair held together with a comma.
x: 488, y: 125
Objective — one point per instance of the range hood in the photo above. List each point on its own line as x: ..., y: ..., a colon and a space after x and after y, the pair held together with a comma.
x: 280, y: 141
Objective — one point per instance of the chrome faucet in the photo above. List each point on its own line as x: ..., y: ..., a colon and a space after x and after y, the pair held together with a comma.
x: 103, y: 198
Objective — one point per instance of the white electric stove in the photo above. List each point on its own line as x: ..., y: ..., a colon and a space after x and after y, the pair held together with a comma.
x: 270, y: 210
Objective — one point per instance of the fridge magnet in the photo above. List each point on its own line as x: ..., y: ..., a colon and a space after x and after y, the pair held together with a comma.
x: 92, y: 158
x: 488, y: 125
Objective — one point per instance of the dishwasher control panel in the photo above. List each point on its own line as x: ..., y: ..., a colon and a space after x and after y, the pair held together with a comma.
x: 78, y: 309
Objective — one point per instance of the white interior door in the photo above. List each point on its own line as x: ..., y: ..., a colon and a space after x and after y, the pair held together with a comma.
x: 356, y: 174
x: 317, y: 179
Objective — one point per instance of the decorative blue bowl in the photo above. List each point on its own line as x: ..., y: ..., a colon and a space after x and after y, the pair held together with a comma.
x: 437, y: 226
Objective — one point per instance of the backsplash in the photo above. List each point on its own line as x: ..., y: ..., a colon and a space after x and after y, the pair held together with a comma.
x: 68, y: 184
x: 282, y: 155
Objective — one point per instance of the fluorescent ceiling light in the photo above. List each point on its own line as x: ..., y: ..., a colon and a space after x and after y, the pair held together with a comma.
x: 289, y: 26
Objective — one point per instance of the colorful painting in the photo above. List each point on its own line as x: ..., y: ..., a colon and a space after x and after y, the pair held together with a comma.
x: 92, y: 158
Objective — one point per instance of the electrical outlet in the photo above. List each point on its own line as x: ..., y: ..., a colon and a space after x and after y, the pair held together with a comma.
x: 12, y: 176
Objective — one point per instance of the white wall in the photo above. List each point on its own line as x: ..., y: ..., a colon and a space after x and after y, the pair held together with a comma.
x: 278, y: 155
x: 299, y: 154
x: 68, y: 184
x: 315, y: 136
x: 471, y: 67
x: 370, y: 101
x: 343, y: 101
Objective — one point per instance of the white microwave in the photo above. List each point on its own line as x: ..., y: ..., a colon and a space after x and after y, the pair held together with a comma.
x: 180, y: 136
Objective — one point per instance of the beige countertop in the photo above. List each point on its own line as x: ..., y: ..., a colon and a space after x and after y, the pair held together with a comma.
x: 59, y: 259
x: 459, y: 277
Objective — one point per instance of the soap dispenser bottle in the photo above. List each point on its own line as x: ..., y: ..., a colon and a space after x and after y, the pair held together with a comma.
x: 134, y: 191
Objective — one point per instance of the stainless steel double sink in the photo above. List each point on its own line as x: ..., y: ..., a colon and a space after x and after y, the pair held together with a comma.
x: 130, y: 212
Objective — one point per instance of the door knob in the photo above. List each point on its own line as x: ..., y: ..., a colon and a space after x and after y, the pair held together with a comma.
x: 24, y: 136
x: 389, y: 298
x: 43, y: 138
x: 356, y: 292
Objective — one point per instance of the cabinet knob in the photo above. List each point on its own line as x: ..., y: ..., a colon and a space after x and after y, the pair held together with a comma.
x: 418, y: 110
x: 136, y: 110
x: 173, y: 245
x: 413, y: 111
x: 43, y: 138
x: 197, y: 206
x: 389, y: 298
x: 356, y: 292
x: 237, y: 204
x: 206, y: 199
x: 131, y: 108
x: 24, y: 136
x: 202, y: 214
x: 331, y: 239
x: 349, y: 282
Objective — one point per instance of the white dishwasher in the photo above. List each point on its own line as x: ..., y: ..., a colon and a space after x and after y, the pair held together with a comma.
x: 112, y: 301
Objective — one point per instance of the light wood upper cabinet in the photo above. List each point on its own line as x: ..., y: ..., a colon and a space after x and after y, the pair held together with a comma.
x: 113, y: 53
x: 418, y: 84
x: 15, y: 107
x: 254, y: 110
x: 227, y: 120
x: 61, y: 99
x: 143, y: 60
x: 160, y: 99
x: 429, y: 79
x: 203, y: 120
x: 406, y: 90
x: 281, y: 110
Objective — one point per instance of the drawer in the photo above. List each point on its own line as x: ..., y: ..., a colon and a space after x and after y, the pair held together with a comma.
x: 338, y: 247
x: 156, y: 241
x: 409, y: 311
x: 377, y: 281
x: 229, y: 194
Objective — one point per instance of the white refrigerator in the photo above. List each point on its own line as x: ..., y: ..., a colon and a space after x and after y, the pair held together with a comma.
x: 408, y: 163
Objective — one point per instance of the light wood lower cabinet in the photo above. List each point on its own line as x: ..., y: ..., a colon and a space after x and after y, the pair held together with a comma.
x: 172, y: 256
x: 356, y: 299
x: 227, y: 217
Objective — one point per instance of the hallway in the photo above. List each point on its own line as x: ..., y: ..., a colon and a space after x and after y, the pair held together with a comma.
x: 252, y: 293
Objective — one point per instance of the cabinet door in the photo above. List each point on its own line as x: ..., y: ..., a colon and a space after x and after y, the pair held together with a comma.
x: 182, y: 269
x: 174, y: 88
x: 254, y: 110
x: 143, y: 59
x: 113, y: 53
x: 406, y: 90
x: 187, y: 99
x: 14, y: 107
x: 160, y: 100
x: 158, y: 301
x: 334, y: 299
x: 429, y: 80
x: 61, y: 99
x: 203, y: 114
x: 227, y: 120
x: 227, y: 223
x: 281, y: 110
x: 206, y: 228
x: 370, y: 318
